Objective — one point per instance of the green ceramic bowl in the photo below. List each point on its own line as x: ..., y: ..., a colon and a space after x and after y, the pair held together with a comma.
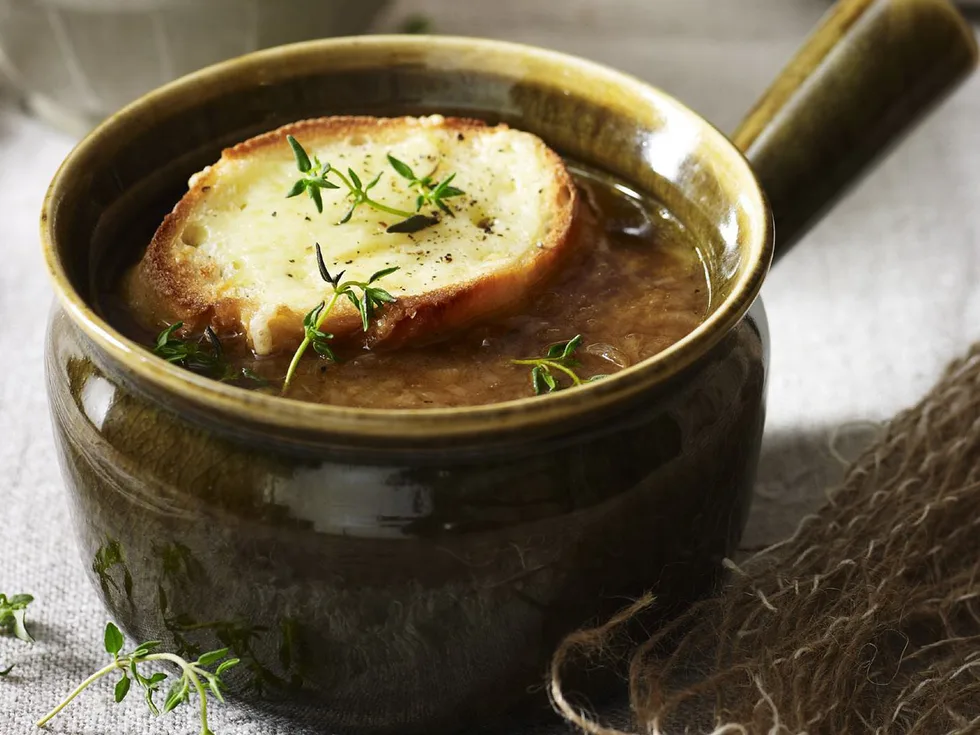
x: 408, y: 570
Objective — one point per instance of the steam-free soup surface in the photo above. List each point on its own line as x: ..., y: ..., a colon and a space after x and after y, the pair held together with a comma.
x: 638, y: 285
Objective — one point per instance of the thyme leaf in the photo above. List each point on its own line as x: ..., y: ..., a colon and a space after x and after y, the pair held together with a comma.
x: 558, y: 361
x: 413, y: 224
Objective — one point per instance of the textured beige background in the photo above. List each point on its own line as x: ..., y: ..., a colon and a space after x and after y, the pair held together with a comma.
x: 863, y: 316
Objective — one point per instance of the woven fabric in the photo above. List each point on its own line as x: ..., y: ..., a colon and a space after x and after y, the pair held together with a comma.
x: 865, y: 620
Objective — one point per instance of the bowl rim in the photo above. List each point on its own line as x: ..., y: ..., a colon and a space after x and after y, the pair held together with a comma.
x: 522, y: 414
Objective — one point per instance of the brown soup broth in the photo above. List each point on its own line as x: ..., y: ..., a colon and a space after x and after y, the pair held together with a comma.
x: 639, y: 285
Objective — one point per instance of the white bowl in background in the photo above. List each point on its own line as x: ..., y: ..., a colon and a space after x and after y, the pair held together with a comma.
x: 77, y: 61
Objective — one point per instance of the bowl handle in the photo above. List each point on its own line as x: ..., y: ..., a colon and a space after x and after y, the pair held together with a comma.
x: 870, y: 70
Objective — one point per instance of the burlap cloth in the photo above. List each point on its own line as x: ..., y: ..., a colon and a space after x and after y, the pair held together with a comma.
x: 866, y: 620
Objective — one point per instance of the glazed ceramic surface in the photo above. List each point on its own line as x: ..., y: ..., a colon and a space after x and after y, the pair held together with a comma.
x: 408, y: 570
x: 388, y: 592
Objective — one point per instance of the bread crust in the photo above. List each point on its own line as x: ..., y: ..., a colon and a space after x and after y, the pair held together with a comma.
x: 169, y: 284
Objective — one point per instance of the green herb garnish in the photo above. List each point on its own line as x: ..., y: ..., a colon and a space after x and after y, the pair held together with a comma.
x: 191, y: 354
x: 315, y: 175
x: 13, y: 613
x: 416, y: 23
x: 414, y: 223
x: 315, y: 178
x: 194, y: 676
x: 207, y: 360
x: 560, y: 358
x: 319, y: 340
x: 428, y: 189
x: 370, y: 300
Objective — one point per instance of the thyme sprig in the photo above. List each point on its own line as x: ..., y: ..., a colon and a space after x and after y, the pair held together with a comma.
x: 13, y: 612
x: 428, y: 189
x: 370, y: 300
x: 358, y: 195
x: 13, y: 616
x: 194, y: 677
x: 204, y: 359
x: 559, y: 359
x: 314, y: 179
x: 319, y: 340
x: 314, y: 175
x: 191, y: 354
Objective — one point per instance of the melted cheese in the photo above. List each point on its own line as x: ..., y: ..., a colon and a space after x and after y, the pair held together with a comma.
x: 263, y: 243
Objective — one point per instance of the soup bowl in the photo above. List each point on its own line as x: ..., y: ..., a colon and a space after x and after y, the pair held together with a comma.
x: 409, y: 570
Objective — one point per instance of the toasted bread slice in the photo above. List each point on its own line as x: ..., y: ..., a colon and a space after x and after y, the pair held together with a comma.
x: 237, y: 255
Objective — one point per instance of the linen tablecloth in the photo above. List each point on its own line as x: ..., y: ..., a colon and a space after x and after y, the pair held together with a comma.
x: 864, y: 314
